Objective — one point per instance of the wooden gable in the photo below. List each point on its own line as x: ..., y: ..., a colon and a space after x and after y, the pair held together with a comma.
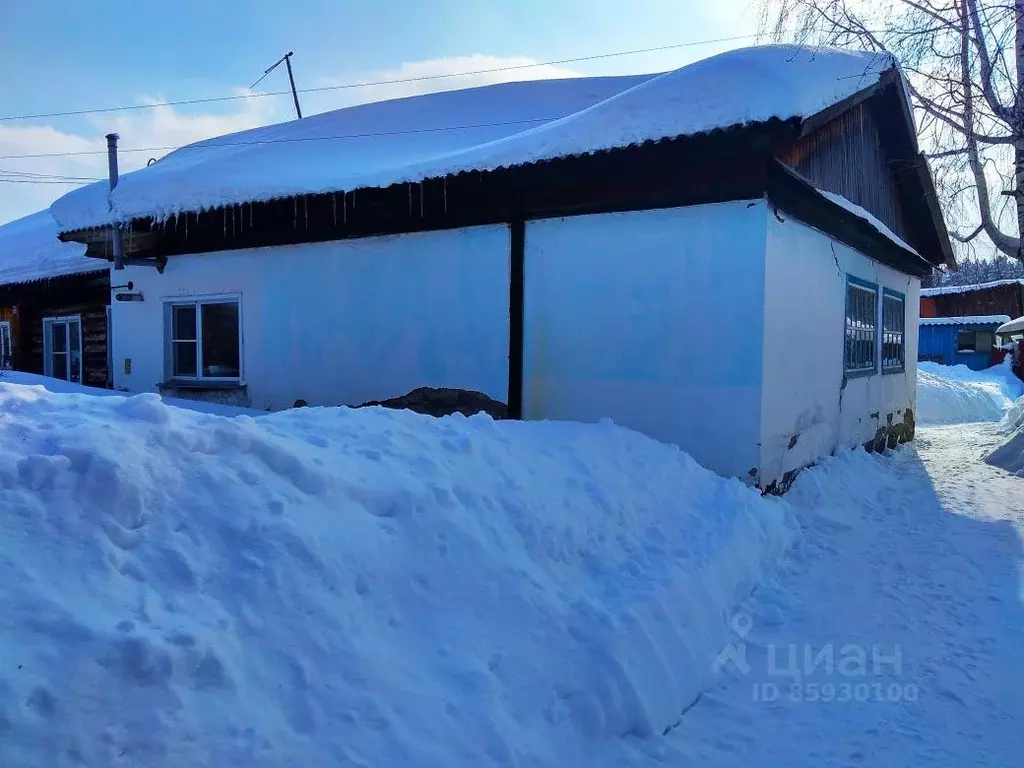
x: 844, y: 155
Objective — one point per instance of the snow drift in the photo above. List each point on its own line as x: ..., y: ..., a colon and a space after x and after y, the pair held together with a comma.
x: 953, y: 394
x: 1010, y: 455
x: 339, y: 587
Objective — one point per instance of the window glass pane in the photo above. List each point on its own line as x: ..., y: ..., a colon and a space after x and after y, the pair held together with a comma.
x: 74, y: 335
x: 965, y: 341
x: 58, y: 337
x: 220, y: 340
x: 184, y: 359
x: 59, y: 365
x: 861, y: 331
x: 984, y: 341
x: 184, y: 321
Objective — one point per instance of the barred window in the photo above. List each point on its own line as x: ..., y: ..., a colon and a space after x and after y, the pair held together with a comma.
x: 893, y: 328
x: 861, y: 327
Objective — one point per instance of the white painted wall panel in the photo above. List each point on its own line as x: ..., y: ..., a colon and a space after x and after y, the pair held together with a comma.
x: 653, y: 319
x: 341, y: 322
x: 804, y: 397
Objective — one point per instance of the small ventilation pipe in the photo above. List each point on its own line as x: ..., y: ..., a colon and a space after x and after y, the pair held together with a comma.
x: 115, y: 229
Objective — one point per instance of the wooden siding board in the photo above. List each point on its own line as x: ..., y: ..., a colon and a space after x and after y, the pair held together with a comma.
x: 845, y: 156
x: 999, y: 300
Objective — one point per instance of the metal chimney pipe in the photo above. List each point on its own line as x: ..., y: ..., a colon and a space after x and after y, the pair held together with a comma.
x: 115, y: 231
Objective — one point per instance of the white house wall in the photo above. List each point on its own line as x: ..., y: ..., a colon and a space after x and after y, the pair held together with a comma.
x: 807, y: 411
x: 341, y: 322
x: 653, y: 319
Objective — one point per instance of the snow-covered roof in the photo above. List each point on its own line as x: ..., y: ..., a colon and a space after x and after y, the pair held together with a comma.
x: 30, y: 251
x: 966, y: 320
x: 407, y: 140
x: 1013, y: 326
x: 944, y: 289
x: 869, y: 218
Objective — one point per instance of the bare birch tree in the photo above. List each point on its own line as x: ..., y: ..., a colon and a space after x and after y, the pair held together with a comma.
x: 963, y: 60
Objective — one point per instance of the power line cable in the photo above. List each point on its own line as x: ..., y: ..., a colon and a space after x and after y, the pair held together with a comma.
x: 373, y: 83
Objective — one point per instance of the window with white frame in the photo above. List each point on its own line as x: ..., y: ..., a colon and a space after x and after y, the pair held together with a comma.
x: 62, y: 348
x: 861, y: 327
x: 893, y: 331
x: 204, y: 340
x: 6, y: 345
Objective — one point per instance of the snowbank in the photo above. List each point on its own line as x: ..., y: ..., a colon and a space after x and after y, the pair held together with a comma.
x: 68, y: 388
x: 354, y: 587
x: 1010, y: 455
x: 952, y: 394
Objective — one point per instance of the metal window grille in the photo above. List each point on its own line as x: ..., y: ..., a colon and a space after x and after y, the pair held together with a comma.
x: 893, y: 333
x: 861, y: 328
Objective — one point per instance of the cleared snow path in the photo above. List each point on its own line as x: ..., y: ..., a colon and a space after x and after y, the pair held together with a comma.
x: 919, y: 549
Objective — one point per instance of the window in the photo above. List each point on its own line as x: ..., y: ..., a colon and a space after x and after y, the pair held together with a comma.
x: 62, y: 348
x: 893, y: 327
x: 974, y: 341
x: 861, y: 327
x: 6, y: 345
x: 204, y: 340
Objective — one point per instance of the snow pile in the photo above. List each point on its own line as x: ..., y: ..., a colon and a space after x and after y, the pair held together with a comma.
x: 58, y: 386
x: 952, y: 394
x: 30, y: 250
x: 354, y: 587
x: 1010, y: 455
x: 435, y: 135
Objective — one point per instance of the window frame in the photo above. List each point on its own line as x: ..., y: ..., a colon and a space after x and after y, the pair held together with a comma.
x: 48, y: 322
x: 198, y: 302
x: 974, y: 346
x: 865, y: 285
x: 9, y: 327
x: 902, y: 367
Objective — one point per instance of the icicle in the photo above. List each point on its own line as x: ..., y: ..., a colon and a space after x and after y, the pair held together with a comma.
x: 334, y: 208
x: 421, y: 199
x: 445, y: 181
x: 305, y: 210
x: 295, y: 213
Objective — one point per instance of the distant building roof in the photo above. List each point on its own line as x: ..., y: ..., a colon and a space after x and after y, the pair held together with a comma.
x: 966, y: 320
x: 942, y: 290
x: 30, y: 251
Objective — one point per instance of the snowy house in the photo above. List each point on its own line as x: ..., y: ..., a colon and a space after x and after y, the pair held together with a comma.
x: 575, y: 248
x: 969, y: 340
x: 54, y: 303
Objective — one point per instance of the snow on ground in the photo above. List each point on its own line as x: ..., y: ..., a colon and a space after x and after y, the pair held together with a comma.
x: 914, y: 555
x: 69, y: 388
x: 953, y: 394
x: 355, y: 587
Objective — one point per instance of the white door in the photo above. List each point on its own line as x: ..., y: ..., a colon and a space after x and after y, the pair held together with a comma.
x: 62, y: 348
x: 6, y: 345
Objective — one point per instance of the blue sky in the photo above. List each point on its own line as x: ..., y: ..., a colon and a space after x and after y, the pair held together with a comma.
x: 79, y: 55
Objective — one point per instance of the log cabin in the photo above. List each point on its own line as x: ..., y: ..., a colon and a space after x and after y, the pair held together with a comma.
x: 726, y: 257
x: 54, y: 304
